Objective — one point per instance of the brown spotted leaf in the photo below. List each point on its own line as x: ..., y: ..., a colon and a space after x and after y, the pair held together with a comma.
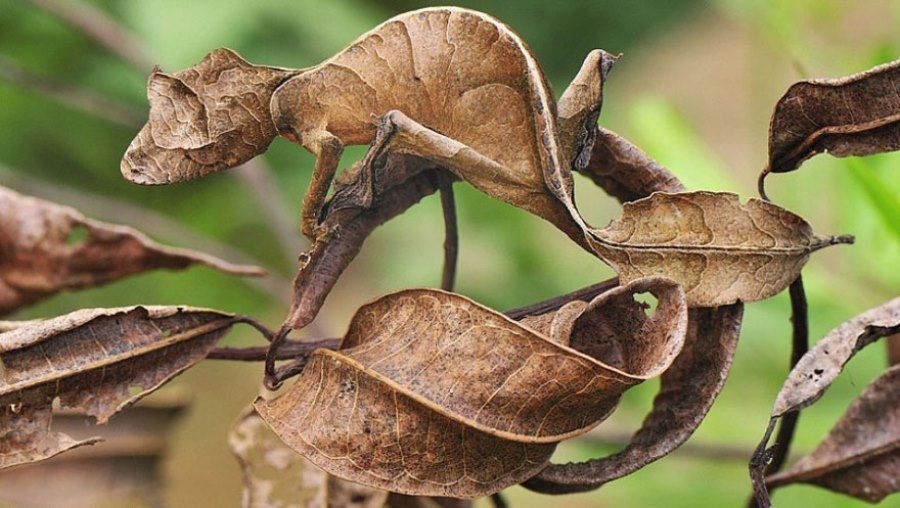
x: 860, y: 457
x: 817, y: 369
x: 820, y: 366
x: 212, y: 116
x: 687, y: 391
x: 275, y: 476
x: 97, y: 361
x: 46, y: 248
x: 855, y: 115
x: 719, y: 249
x: 494, y: 395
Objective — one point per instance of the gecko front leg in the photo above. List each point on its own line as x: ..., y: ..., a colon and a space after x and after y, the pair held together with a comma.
x: 328, y: 149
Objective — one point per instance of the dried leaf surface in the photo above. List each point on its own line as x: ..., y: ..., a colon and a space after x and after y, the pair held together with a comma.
x: 687, y: 391
x: 124, y: 470
x: 624, y: 171
x: 95, y: 360
x: 490, y: 396
x: 275, y: 476
x: 820, y: 366
x: 212, y: 116
x: 719, y: 249
x: 860, y: 457
x: 46, y: 248
x: 855, y: 115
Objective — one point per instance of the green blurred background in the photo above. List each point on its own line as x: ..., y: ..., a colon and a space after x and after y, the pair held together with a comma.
x: 695, y: 89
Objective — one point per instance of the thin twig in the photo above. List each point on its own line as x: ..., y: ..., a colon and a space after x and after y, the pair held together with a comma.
x: 289, y: 350
x: 114, y: 37
x: 150, y: 221
x: 893, y: 349
x: 799, y: 347
x: 758, y: 462
x: 771, y: 460
x: 70, y: 96
x: 584, y: 294
x: 271, y: 378
x: 451, y: 235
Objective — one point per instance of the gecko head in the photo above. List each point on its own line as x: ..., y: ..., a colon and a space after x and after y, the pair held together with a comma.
x: 209, y: 117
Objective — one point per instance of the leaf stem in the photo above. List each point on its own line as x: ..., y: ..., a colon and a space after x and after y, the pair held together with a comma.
x: 451, y: 234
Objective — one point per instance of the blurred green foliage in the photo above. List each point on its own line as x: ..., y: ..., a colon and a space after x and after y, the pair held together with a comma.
x: 507, y: 257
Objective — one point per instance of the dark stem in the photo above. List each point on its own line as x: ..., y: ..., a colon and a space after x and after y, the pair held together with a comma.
x: 761, y: 184
x: 893, y: 347
x: 290, y: 349
x: 799, y: 347
x: 758, y: 463
x: 584, y: 294
x: 451, y: 235
x: 271, y: 379
x: 498, y: 500
x: 765, y: 461
x: 263, y: 329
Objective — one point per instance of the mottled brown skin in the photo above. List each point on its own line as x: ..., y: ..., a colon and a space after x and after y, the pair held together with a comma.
x: 452, y: 86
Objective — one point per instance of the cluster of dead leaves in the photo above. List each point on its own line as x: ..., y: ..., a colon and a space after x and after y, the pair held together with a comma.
x: 430, y: 393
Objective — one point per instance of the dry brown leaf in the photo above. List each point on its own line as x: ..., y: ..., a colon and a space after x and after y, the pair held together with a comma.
x: 687, y: 391
x: 94, y: 360
x: 819, y: 367
x: 624, y: 171
x: 275, y: 476
x: 125, y: 470
x: 854, y: 115
x: 46, y: 248
x: 212, y: 116
x: 720, y: 250
x: 860, y: 457
x: 815, y: 372
x: 495, y: 396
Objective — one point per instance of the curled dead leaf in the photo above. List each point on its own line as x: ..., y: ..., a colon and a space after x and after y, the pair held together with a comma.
x: 496, y: 396
x: 687, y: 391
x: 819, y: 367
x: 815, y: 372
x: 46, y: 248
x: 720, y: 250
x: 624, y: 171
x: 854, y: 115
x: 860, y: 457
x: 98, y: 361
x: 277, y: 476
